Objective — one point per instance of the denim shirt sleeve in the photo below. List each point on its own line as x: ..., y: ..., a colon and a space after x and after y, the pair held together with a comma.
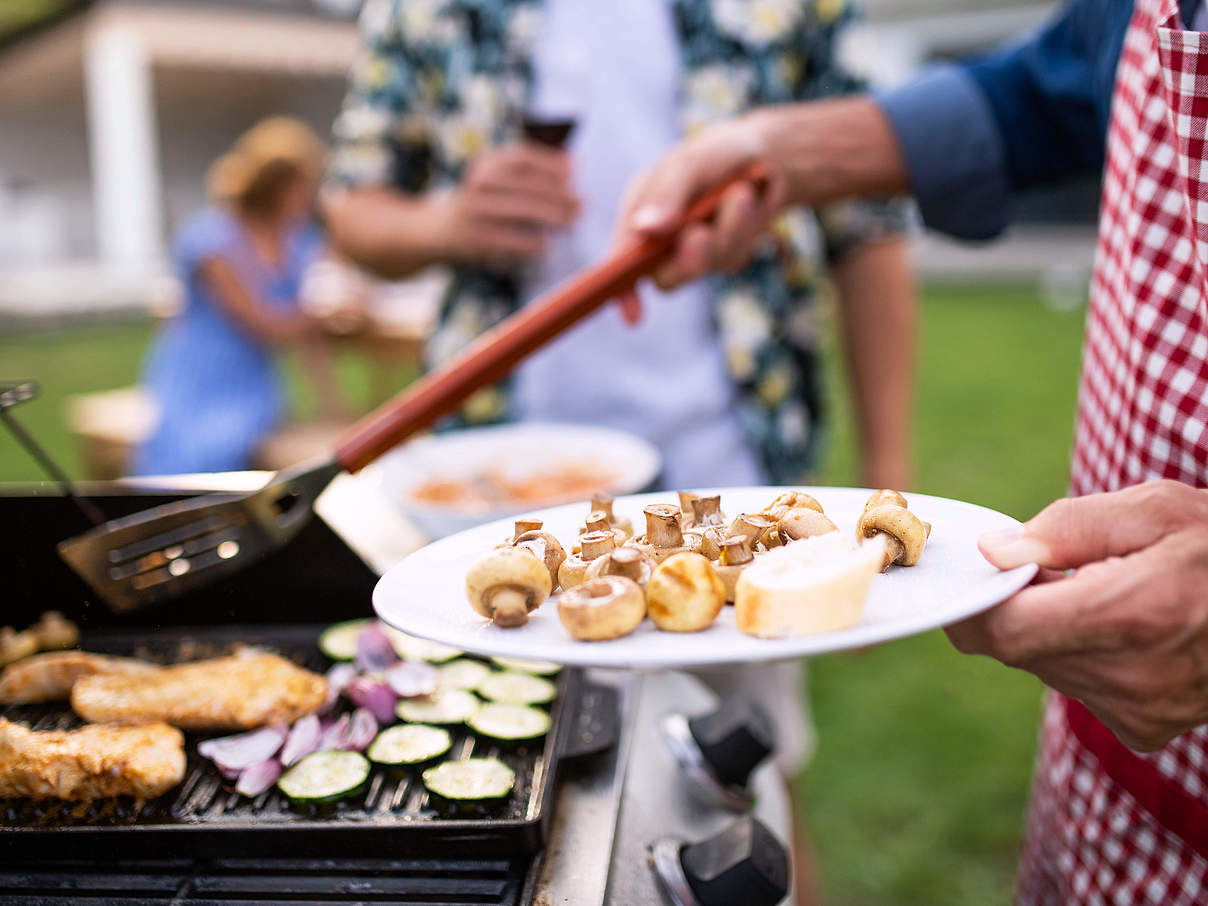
x: 1029, y: 114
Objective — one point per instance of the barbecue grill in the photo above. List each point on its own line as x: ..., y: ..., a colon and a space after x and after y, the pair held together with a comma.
x: 589, y: 801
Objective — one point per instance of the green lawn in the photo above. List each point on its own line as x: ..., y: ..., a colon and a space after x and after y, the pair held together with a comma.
x: 918, y: 787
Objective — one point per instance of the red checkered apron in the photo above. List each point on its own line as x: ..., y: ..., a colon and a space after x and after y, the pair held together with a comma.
x: 1106, y: 825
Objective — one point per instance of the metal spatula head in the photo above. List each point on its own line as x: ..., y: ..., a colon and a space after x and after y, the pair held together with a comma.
x: 166, y: 551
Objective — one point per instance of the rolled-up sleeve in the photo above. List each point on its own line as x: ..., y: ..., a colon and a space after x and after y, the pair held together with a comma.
x: 953, y: 150
x: 1032, y: 113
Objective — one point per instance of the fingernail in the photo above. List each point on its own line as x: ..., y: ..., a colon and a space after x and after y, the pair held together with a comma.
x: 1011, y: 547
x: 647, y: 217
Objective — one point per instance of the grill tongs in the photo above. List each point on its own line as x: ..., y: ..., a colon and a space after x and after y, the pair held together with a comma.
x: 161, y: 553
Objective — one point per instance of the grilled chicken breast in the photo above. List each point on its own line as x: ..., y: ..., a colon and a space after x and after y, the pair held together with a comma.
x: 49, y: 677
x: 92, y: 762
x: 245, y: 690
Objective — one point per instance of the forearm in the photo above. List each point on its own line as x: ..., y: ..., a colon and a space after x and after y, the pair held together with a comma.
x: 877, y: 317
x: 831, y: 149
x: 386, y: 232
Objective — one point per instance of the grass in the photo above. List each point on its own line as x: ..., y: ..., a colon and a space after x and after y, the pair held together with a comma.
x: 918, y: 787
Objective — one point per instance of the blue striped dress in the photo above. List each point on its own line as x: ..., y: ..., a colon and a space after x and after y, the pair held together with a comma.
x: 216, y: 386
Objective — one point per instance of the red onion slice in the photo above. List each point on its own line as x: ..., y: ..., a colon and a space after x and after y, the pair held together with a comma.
x: 411, y: 678
x: 338, y: 678
x: 374, y: 695
x: 302, y: 740
x: 233, y: 753
x: 362, y: 730
x: 333, y: 734
x: 258, y: 777
x: 374, y: 651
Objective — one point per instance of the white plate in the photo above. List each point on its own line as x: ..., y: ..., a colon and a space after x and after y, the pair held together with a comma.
x: 425, y: 595
x: 519, y: 451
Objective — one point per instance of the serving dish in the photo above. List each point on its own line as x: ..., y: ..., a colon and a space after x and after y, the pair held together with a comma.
x: 518, y: 453
x: 425, y: 594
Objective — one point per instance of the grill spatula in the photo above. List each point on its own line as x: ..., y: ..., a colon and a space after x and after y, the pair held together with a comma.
x: 161, y: 553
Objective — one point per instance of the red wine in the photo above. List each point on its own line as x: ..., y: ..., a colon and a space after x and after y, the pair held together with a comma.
x: 551, y: 132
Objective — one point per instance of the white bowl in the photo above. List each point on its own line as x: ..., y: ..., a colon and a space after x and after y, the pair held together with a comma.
x: 519, y: 451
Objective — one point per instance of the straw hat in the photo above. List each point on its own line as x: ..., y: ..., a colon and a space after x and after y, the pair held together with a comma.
x: 272, y: 141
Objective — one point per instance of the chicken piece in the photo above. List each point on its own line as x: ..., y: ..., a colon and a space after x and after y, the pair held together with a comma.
x: 49, y: 677
x: 245, y: 690
x: 92, y: 762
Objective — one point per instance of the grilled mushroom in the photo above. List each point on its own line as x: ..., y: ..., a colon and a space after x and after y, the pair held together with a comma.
x: 604, y: 608
x: 601, y: 503
x: 16, y: 645
x: 684, y: 593
x: 55, y: 632
x: 904, y: 533
x: 664, y: 534
x: 508, y: 583
x: 791, y: 500
x: 685, y: 504
x: 527, y: 524
x: 625, y: 561
x: 598, y: 521
x: 547, y: 548
x: 761, y: 529
x: 800, y: 523
x: 592, y: 546
x: 736, y: 555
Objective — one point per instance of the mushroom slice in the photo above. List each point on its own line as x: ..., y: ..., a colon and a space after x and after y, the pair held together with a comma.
x: 904, y: 533
x: 547, y: 548
x: 684, y: 593
x: 508, y: 583
x: 593, y: 545
x: 791, y: 500
x: 801, y: 523
x: 625, y: 561
x: 602, y: 609
x: 815, y: 585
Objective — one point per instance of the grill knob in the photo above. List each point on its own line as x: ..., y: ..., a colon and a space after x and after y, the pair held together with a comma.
x: 742, y: 864
x: 734, y: 739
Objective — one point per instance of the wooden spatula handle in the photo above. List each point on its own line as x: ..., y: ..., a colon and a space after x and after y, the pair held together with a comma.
x: 498, y: 351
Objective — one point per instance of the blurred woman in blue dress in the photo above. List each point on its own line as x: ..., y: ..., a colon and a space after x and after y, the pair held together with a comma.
x: 212, y: 368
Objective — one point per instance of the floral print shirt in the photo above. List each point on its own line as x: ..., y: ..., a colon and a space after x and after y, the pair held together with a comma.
x: 441, y: 80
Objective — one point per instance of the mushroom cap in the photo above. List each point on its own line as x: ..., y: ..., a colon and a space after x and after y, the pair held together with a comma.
x: 791, y: 500
x: 511, y: 570
x: 885, y: 496
x: 899, y: 523
x: 604, y: 608
x: 684, y: 593
x: 548, y: 548
x: 624, y: 561
x: 802, y: 522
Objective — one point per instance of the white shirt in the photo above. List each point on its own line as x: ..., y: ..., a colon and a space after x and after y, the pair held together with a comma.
x: 665, y: 379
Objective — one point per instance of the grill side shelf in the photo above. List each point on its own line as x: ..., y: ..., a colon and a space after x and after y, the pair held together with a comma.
x: 206, y: 817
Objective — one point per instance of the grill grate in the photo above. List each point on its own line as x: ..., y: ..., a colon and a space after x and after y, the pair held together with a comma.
x: 429, y: 882
x: 393, y: 811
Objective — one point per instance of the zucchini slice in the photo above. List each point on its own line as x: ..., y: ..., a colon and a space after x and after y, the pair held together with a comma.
x: 410, y: 648
x: 513, y: 688
x: 472, y: 782
x: 509, y: 723
x: 325, y: 776
x: 339, y: 641
x: 444, y: 706
x: 462, y: 674
x: 537, y: 668
x: 409, y: 744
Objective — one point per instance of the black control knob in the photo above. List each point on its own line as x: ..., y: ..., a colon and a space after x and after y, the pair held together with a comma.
x: 734, y: 739
x: 743, y: 864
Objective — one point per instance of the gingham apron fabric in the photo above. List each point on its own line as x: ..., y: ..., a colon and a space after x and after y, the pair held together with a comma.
x: 1106, y: 825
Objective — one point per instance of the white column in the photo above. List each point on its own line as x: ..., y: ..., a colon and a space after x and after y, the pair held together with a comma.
x: 123, y: 149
